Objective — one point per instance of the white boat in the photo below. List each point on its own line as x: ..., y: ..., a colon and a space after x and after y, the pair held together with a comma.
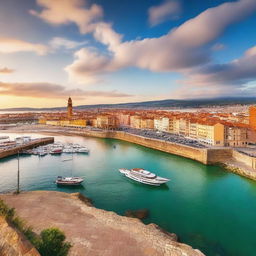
x: 69, y: 181
x: 144, y: 176
x: 82, y: 150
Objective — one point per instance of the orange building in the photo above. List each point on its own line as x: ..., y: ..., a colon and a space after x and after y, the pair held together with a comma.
x: 252, y: 117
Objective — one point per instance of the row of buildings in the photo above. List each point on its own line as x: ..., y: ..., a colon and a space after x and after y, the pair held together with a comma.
x: 209, y: 128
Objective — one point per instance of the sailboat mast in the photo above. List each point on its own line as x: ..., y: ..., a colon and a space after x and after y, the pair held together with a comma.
x: 18, y: 174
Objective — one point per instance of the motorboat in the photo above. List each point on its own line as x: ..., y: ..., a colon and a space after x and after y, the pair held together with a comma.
x: 56, y: 151
x: 144, y: 176
x: 83, y: 150
x: 69, y: 181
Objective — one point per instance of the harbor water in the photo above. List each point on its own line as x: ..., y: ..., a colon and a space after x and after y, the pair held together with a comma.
x: 207, y: 207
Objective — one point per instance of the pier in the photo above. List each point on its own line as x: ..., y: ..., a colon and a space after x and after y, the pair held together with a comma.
x: 31, y: 144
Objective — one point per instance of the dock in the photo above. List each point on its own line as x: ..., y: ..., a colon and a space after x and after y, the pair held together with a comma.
x: 29, y: 145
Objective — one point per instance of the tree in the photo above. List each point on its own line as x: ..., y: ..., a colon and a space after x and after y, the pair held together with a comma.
x: 52, y: 243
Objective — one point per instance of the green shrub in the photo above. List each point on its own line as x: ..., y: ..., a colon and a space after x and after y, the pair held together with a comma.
x: 52, y: 242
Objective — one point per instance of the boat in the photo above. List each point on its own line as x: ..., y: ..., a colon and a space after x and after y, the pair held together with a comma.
x: 56, y: 151
x: 144, y: 176
x: 69, y: 181
x: 82, y: 150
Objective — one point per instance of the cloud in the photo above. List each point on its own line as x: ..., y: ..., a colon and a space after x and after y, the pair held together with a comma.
x: 222, y: 79
x: 218, y: 47
x: 59, y: 12
x: 181, y: 49
x: 60, y: 42
x: 48, y: 90
x: 6, y: 70
x: 11, y: 45
x: 167, y: 10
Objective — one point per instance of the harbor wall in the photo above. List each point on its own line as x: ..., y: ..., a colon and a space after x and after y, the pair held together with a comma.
x: 197, y: 154
x: 29, y: 145
x: 247, y: 160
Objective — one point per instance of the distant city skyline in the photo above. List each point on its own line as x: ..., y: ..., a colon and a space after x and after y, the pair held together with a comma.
x: 101, y: 52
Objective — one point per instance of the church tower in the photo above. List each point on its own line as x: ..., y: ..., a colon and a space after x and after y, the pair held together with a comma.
x: 70, y: 108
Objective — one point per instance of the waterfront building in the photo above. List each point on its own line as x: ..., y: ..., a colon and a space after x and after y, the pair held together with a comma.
x: 161, y: 124
x: 210, y: 133
x: 70, y: 108
x: 106, y: 121
x: 252, y: 117
x: 147, y: 123
x: 236, y: 136
x: 135, y: 122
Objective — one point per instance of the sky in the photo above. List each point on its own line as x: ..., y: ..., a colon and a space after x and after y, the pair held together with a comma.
x: 112, y: 51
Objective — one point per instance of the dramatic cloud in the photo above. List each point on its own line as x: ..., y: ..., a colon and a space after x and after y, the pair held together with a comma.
x: 169, y: 9
x: 177, y: 51
x: 221, y: 79
x: 59, y: 12
x: 10, y: 45
x: 59, y: 42
x: 6, y: 70
x: 41, y: 90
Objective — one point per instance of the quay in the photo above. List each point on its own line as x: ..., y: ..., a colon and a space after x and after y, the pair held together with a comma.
x: 31, y: 144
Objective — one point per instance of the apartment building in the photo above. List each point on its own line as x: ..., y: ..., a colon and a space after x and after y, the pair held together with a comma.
x: 161, y: 124
x: 236, y: 136
x: 147, y: 123
x: 106, y: 122
x: 135, y: 122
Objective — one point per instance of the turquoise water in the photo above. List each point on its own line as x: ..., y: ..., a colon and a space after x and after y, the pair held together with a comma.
x: 208, y: 208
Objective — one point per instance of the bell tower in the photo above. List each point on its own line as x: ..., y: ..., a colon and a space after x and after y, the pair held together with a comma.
x: 70, y: 108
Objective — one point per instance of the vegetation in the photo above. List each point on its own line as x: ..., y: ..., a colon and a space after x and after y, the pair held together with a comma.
x: 50, y: 242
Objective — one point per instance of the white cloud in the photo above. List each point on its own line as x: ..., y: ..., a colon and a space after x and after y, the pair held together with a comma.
x: 60, y: 42
x: 179, y: 50
x: 59, y: 12
x: 168, y: 9
x: 10, y: 45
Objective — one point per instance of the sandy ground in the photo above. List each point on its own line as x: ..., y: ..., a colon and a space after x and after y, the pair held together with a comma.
x: 94, y: 232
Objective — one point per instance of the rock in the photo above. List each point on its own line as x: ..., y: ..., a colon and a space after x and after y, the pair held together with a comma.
x: 139, y: 214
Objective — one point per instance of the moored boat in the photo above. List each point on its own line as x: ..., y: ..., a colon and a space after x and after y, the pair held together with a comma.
x: 144, y: 176
x: 69, y: 181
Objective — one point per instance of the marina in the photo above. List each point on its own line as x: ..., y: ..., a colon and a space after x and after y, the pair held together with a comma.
x: 202, y: 204
x: 57, y: 148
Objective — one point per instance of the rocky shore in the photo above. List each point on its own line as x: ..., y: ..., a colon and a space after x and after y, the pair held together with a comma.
x: 93, y: 231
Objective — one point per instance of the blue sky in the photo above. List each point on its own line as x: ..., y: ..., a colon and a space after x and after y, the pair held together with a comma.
x: 124, y: 51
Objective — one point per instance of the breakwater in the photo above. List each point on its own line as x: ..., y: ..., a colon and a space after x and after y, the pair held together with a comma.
x: 29, y: 145
x: 202, y: 155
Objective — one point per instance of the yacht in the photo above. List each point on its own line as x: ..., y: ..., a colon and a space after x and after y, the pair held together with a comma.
x: 69, y: 181
x: 144, y: 176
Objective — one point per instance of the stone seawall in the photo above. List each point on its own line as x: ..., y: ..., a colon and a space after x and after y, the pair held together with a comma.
x: 247, y: 160
x: 32, y: 144
x: 218, y: 155
x: 197, y: 154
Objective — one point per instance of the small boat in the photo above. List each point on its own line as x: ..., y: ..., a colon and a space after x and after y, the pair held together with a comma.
x: 42, y: 153
x: 82, y: 150
x: 69, y: 181
x: 144, y: 176
x: 56, y: 151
